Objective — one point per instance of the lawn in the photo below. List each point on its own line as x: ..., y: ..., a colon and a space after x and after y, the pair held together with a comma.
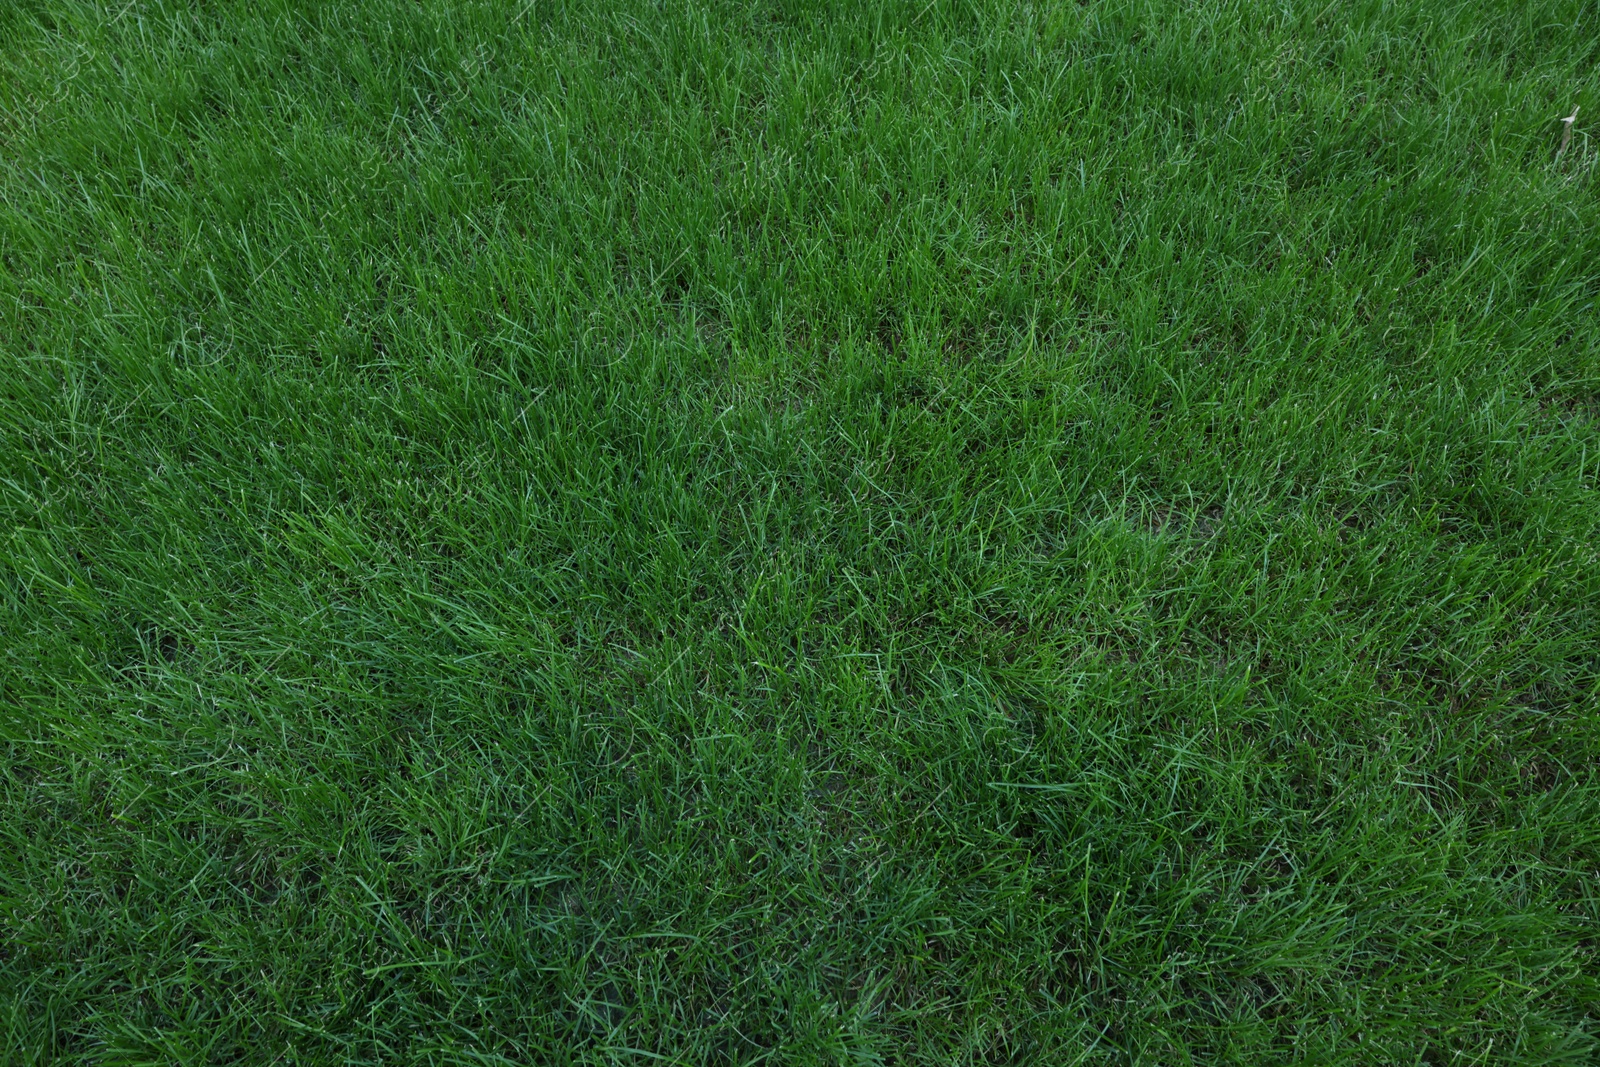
x: 799, y: 532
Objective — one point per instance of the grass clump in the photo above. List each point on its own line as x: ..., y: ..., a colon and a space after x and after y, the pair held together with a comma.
x: 798, y: 533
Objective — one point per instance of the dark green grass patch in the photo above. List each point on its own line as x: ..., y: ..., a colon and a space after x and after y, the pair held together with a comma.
x: 799, y: 533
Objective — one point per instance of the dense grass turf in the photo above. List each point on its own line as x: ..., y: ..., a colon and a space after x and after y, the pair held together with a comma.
x: 780, y: 532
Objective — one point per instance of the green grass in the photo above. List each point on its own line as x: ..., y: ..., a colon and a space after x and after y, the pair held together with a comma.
x: 799, y: 533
